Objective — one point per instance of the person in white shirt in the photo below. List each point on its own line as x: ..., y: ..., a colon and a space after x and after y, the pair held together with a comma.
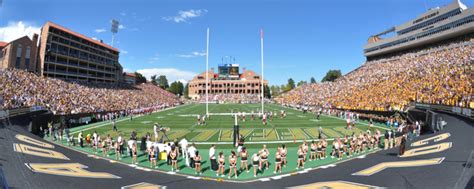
x: 212, y: 156
x: 183, y: 143
x: 120, y: 145
x: 192, y: 153
x: 130, y: 146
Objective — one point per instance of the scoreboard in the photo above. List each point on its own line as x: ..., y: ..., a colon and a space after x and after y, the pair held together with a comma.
x: 228, y: 70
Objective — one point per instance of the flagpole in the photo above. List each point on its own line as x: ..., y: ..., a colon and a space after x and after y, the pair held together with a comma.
x: 207, y: 73
x: 261, y: 59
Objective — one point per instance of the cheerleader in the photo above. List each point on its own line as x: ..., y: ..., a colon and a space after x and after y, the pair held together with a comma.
x: 221, y: 162
x: 339, y: 151
x: 233, y: 164
x: 174, y: 158
x: 352, y: 146
x: 283, y: 152
x: 345, y: 145
x: 264, y: 153
x: 319, y: 151
x: 305, y: 150
x: 197, y: 163
x: 324, y: 145
x: 152, y: 158
x: 313, y: 151
x: 243, y: 159
x: 300, y: 154
x: 104, y: 148
x: 277, y: 162
x: 256, y: 163
x: 134, y: 153
x: 117, y: 150
x: 335, y: 147
x: 364, y: 141
x: 359, y: 144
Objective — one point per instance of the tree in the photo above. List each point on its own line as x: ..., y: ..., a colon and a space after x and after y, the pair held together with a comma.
x: 275, y: 90
x: 139, y: 78
x: 153, y: 79
x: 163, y: 82
x: 266, y: 92
x: 176, y: 88
x: 291, y: 84
x: 332, y: 75
x: 283, y: 88
x: 186, y: 91
x: 312, y: 80
x: 301, y: 83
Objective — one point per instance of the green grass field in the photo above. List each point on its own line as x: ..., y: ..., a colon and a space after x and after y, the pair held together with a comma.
x: 219, y: 128
x: 182, y: 121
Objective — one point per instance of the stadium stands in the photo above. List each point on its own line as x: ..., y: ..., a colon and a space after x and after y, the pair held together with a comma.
x: 24, y: 89
x: 440, y: 74
x: 231, y: 98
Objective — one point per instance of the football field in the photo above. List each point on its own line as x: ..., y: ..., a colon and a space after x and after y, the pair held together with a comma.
x: 182, y: 122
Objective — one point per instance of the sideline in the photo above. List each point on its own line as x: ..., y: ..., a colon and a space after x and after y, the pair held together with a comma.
x: 104, y: 123
x: 262, y: 179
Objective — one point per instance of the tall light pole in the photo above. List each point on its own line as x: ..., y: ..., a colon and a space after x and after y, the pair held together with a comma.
x: 261, y: 59
x: 207, y: 73
x: 113, y: 29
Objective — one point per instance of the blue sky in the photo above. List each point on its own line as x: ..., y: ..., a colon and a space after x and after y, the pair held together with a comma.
x: 302, y: 38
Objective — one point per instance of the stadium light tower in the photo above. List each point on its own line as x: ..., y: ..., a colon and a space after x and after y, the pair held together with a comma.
x: 207, y: 73
x: 114, y: 29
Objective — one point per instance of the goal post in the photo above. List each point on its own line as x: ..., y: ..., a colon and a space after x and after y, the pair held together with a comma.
x: 262, y: 83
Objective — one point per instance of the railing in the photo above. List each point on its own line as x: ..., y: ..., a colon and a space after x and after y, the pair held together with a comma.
x: 466, y: 112
x: 6, y: 113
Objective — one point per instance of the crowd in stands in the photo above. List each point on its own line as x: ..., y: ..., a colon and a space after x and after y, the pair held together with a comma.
x: 24, y: 89
x: 437, y: 75
x: 231, y: 98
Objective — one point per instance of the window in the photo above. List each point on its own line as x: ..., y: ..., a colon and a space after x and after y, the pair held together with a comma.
x: 27, y: 57
x: 18, y: 56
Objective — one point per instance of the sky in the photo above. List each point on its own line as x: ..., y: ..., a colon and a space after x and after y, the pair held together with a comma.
x: 303, y: 38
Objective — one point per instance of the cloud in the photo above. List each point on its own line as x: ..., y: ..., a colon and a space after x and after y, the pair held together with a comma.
x: 121, y: 27
x: 128, y: 70
x: 184, y: 16
x: 171, y: 74
x: 100, y: 30
x: 123, y: 52
x: 15, y: 30
x: 154, y: 58
x: 192, y: 54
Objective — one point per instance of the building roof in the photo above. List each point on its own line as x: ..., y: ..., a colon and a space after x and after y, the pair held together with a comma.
x: 49, y: 23
x: 3, y: 44
x: 130, y: 74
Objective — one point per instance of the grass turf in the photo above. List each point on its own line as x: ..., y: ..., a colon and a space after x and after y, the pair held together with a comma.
x: 182, y: 123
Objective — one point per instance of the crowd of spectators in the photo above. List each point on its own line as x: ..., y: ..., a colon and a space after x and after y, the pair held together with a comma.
x: 231, y: 98
x: 437, y: 75
x: 24, y: 89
